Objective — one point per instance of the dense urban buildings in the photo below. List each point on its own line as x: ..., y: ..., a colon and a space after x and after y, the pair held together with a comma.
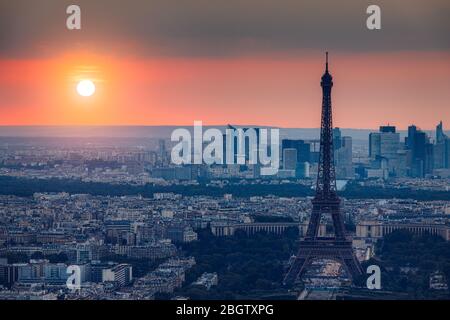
x: 124, y: 214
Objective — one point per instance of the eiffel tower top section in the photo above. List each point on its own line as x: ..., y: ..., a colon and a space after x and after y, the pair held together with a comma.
x: 327, y: 79
x: 326, y: 177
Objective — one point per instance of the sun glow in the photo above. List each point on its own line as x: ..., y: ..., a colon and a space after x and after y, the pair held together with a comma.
x: 86, y: 88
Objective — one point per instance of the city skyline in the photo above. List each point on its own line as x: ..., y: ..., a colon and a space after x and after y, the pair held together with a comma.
x: 164, y: 131
x: 246, y: 151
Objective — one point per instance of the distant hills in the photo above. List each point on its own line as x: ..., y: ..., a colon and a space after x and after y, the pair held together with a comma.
x: 159, y: 132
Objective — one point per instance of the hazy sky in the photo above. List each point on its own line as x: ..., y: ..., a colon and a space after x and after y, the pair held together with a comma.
x: 224, y: 61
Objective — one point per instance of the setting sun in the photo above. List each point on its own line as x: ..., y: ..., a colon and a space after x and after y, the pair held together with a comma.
x: 86, y: 88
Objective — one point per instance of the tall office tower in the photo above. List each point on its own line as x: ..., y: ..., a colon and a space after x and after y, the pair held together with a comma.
x: 337, y: 138
x: 385, y: 145
x: 421, y: 152
x: 374, y: 145
x: 439, y: 155
x: 410, y: 139
x: 303, y: 149
x: 440, y: 150
x: 429, y: 158
x: 344, y: 159
x: 401, y: 164
x: 162, y: 152
x: 289, y: 159
x: 418, y: 154
x: 440, y: 135
x: 303, y: 156
x: 447, y: 153
x: 343, y: 154
x: 387, y: 129
x: 326, y: 201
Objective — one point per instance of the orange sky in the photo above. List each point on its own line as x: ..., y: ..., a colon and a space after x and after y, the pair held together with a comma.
x: 371, y: 89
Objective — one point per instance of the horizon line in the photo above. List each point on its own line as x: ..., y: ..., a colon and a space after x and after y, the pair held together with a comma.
x: 204, y: 125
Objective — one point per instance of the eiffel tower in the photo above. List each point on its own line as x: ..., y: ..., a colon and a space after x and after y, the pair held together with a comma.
x: 326, y: 201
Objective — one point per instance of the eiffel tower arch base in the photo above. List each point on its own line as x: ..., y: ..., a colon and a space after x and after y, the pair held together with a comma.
x: 325, y: 248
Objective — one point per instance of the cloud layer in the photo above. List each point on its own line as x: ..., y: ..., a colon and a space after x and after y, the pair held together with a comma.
x: 221, y: 27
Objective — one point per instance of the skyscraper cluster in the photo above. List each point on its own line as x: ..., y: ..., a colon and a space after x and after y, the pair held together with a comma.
x: 302, y: 156
x: 417, y: 157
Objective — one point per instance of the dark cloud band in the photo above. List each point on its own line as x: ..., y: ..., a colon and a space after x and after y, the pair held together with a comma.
x: 221, y: 27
